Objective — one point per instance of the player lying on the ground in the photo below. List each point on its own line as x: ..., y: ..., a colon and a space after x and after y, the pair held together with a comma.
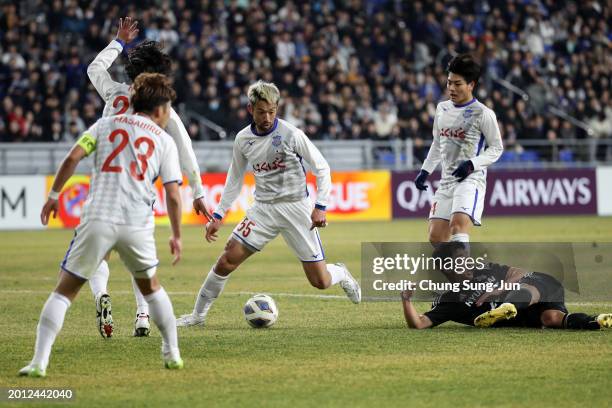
x: 275, y: 149
x: 130, y: 152
x: 540, y: 302
x: 145, y: 57
x: 461, y: 127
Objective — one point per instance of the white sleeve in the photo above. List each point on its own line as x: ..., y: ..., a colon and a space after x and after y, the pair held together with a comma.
x: 234, y: 181
x: 433, y: 155
x: 98, y: 69
x: 187, y: 157
x: 319, y: 166
x: 495, y: 147
x: 170, y: 171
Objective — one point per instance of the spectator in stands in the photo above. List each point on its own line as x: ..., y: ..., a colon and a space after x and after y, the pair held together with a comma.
x: 351, y: 70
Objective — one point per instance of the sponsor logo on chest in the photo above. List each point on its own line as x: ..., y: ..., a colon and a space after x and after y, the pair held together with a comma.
x: 457, y: 133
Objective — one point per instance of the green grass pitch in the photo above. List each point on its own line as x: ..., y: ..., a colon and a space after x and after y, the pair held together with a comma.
x: 321, y: 352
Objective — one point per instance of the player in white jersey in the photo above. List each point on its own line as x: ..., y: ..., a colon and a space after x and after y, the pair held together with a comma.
x: 275, y: 150
x: 131, y: 151
x: 466, y: 140
x: 146, y: 57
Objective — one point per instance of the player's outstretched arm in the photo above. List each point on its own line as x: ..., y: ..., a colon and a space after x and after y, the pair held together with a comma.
x: 173, y: 203
x: 65, y: 171
x: 413, y: 318
x: 97, y: 71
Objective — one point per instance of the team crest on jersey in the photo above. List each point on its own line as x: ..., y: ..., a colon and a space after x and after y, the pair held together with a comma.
x: 276, y: 141
x: 468, y: 113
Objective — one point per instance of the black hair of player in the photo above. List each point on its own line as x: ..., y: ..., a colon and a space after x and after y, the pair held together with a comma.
x: 147, y: 56
x: 466, y: 66
x: 444, y: 251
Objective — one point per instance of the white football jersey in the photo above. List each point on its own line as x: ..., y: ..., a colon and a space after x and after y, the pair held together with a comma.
x: 131, y: 151
x: 459, y: 134
x: 116, y: 96
x: 276, y: 161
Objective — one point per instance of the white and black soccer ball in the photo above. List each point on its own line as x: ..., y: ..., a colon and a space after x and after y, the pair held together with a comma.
x: 260, y: 311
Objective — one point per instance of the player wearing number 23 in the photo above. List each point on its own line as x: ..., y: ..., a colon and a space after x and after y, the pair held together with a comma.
x: 130, y: 152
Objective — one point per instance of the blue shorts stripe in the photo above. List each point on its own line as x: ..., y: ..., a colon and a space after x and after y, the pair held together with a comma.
x: 320, y: 244
x: 68, y: 251
x: 475, y: 203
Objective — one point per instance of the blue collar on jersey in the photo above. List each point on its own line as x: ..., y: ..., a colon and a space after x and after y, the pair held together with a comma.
x: 465, y: 104
x: 254, y: 129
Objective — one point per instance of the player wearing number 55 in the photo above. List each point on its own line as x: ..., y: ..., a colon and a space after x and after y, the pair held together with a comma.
x: 274, y: 149
x: 130, y: 152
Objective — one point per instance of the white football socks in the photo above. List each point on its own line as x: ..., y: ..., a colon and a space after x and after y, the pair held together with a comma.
x: 99, y: 279
x: 211, y: 289
x: 49, y: 325
x: 336, y: 272
x: 142, y: 307
x: 162, y: 315
x: 460, y: 238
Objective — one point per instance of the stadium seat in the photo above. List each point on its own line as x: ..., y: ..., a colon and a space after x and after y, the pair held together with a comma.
x: 529, y: 156
x: 566, y: 156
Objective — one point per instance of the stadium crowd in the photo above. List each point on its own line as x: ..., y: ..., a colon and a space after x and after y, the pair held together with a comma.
x: 353, y: 69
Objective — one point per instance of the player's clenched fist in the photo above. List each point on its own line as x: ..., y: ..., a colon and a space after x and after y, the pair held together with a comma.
x: 318, y: 218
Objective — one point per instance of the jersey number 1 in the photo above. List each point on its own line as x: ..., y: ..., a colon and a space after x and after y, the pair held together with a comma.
x: 142, y: 158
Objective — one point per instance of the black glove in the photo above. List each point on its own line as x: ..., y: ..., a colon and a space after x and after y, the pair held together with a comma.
x: 465, y: 169
x: 420, y: 180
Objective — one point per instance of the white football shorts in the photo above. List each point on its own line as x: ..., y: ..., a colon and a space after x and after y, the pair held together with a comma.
x: 466, y: 197
x: 94, y: 239
x: 263, y: 222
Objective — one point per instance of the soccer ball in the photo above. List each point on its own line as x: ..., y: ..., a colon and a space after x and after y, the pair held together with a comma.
x: 260, y: 311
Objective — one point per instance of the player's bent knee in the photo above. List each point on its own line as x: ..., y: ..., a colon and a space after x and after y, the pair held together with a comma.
x: 460, y: 223
x: 319, y: 281
x: 438, y: 231
x: 458, y: 227
x: 317, y: 274
x: 225, y: 266
x: 436, y: 237
x: 148, y: 285
x: 552, y: 318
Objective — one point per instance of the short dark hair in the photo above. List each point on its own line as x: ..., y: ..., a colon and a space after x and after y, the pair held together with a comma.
x: 147, y: 57
x: 150, y: 91
x: 466, y: 66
